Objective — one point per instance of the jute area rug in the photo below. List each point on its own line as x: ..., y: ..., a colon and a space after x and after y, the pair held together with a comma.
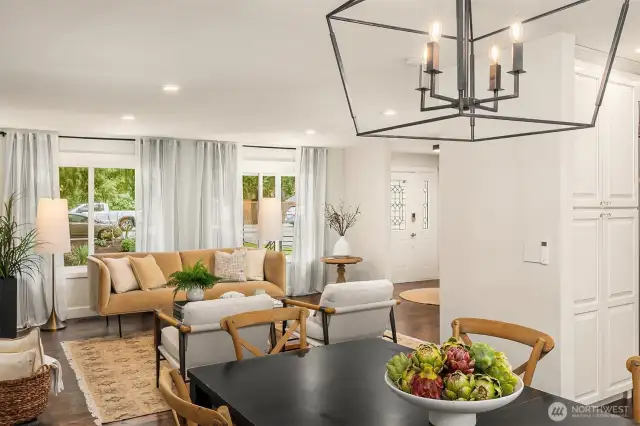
x: 117, y: 376
x: 426, y: 296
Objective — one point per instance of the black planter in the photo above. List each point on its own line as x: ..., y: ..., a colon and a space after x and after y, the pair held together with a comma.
x: 8, y: 308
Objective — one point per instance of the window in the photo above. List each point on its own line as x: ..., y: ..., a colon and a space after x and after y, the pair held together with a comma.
x: 398, y: 205
x: 255, y: 187
x: 106, y: 225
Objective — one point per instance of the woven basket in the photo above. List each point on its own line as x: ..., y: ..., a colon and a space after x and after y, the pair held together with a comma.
x: 24, y: 399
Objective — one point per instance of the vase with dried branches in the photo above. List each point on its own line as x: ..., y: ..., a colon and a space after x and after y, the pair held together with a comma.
x: 341, y: 219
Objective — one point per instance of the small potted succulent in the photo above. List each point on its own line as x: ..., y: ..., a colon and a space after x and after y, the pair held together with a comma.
x: 193, y: 280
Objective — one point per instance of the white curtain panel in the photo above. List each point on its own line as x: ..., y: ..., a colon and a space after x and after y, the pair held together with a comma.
x: 31, y: 172
x: 306, y: 271
x: 189, y: 195
x: 157, y: 198
x: 218, y: 197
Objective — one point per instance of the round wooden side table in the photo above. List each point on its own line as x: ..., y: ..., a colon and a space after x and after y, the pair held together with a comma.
x: 341, y: 262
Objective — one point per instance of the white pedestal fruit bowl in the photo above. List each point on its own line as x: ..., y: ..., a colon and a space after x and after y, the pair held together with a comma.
x: 455, y: 413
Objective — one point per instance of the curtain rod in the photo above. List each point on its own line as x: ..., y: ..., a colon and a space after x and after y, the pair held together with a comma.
x: 98, y: 138
x: 268, y: 147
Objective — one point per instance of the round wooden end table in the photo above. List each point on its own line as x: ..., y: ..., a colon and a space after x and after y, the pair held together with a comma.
x: 341, y: 262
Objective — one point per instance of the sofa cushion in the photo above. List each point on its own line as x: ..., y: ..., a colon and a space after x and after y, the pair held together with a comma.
x: 230, y: 267
x: 169, y: 262
x: 147, y: 272
x: 169, y: 337
x: 162, y: 298
x: 353, y: 293
x: 212, y: 311
x: 122, y: 277
x: 356, y: 293
x: 17, y: 365
x: 254, y: 264
x: 25, y: 343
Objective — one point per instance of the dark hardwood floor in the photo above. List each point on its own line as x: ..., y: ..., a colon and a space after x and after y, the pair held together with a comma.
x: 70, y: 409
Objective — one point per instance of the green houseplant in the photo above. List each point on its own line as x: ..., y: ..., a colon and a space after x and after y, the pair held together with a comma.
x: 193, y: 280
x: 17, y: 258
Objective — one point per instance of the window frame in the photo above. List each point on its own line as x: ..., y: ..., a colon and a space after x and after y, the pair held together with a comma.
x: 98, y: 158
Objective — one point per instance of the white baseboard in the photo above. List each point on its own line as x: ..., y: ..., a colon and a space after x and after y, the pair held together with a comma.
x: 81, y: 312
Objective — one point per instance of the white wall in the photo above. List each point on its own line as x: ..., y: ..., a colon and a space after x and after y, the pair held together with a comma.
x: 497, y: 196
x: 401, y: 161
x: 366, y: 183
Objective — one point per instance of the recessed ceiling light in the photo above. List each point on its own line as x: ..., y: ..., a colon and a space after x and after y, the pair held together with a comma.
x: 128, y: 117
x: 171, y: 88
x: 389, y: 112
x: 310, y: 132
x: 638, y: 50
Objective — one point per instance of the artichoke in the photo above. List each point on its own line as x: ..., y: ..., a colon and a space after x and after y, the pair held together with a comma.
x: 502, y: 371
x: 405, y: 381
x: 396, y: 366
x: 428, y: 357
x: 453, y: 343
x: 486, y: 387
x: 427, y: 385
x: 483, y: 354
x: 458, y: 358
x: 458, y: 386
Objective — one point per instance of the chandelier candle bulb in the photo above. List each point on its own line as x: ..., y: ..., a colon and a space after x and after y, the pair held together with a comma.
x: 433, y: 57
x: 495, y: 70
x: 518, y: 57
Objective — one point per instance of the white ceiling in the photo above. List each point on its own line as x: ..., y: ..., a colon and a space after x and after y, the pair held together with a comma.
x: 246, y: 67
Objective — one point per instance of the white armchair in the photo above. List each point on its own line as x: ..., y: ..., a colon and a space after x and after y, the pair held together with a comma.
x: 199, y: 340
x: 350, y: 311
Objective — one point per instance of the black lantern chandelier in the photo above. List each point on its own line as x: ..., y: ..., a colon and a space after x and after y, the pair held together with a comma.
x: 466, y: 104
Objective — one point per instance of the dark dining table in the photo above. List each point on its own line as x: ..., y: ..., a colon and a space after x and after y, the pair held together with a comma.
x: 343, y: 384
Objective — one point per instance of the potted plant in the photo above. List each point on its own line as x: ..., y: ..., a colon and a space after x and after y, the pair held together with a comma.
x: 340, y: 220
x: 194, y: 280
x: 17, y: 259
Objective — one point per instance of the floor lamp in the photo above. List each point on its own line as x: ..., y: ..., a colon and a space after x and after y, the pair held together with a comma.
x: 52, y: 223
x: 270, y: 222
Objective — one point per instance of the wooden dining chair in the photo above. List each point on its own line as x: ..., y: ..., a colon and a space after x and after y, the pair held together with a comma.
x: 184, y: 412
x: 296, y: 318
x: 540, y: 343
x: 633, y: 365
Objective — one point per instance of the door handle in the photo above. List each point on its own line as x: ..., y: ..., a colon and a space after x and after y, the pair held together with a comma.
x: 413, y: 234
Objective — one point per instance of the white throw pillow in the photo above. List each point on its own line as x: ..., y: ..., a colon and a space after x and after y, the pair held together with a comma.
x: 254, y: 264
x: 25, y: 343
x: 230, y: 267
x: 232, y: 295
x: 17, y: 365
x: 122, y: 277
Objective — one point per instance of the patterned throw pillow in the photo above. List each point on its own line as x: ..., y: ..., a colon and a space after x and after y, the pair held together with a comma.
x: 230, y: 267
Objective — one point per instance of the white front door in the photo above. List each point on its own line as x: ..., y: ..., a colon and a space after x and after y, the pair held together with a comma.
x: 414, y: 226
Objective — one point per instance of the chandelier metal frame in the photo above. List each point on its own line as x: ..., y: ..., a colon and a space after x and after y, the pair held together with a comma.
x: 466, y: 104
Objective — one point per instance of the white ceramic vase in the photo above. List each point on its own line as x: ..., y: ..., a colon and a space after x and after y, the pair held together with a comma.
x: 195, y: 295
x: 342, y: 248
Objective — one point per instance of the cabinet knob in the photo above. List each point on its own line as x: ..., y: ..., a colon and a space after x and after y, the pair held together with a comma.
x: 413, y: 234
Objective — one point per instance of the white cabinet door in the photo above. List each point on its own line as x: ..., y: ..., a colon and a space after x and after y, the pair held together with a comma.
x: 605, y: 289
x: 587, y: 187
x: 618, y: 134
x: 587, y: 277
x: 619, y: 293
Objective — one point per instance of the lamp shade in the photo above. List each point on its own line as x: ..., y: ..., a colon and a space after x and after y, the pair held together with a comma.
x: 52, y: 223
x: 270, y: 220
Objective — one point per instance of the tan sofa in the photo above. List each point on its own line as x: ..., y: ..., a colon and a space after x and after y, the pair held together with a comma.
x: 111, y: 303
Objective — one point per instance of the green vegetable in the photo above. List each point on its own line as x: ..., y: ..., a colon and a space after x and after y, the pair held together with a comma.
x: 484, y: 355
x: 486, y: 387
x: 458, y: 386
x: 397, y: 366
